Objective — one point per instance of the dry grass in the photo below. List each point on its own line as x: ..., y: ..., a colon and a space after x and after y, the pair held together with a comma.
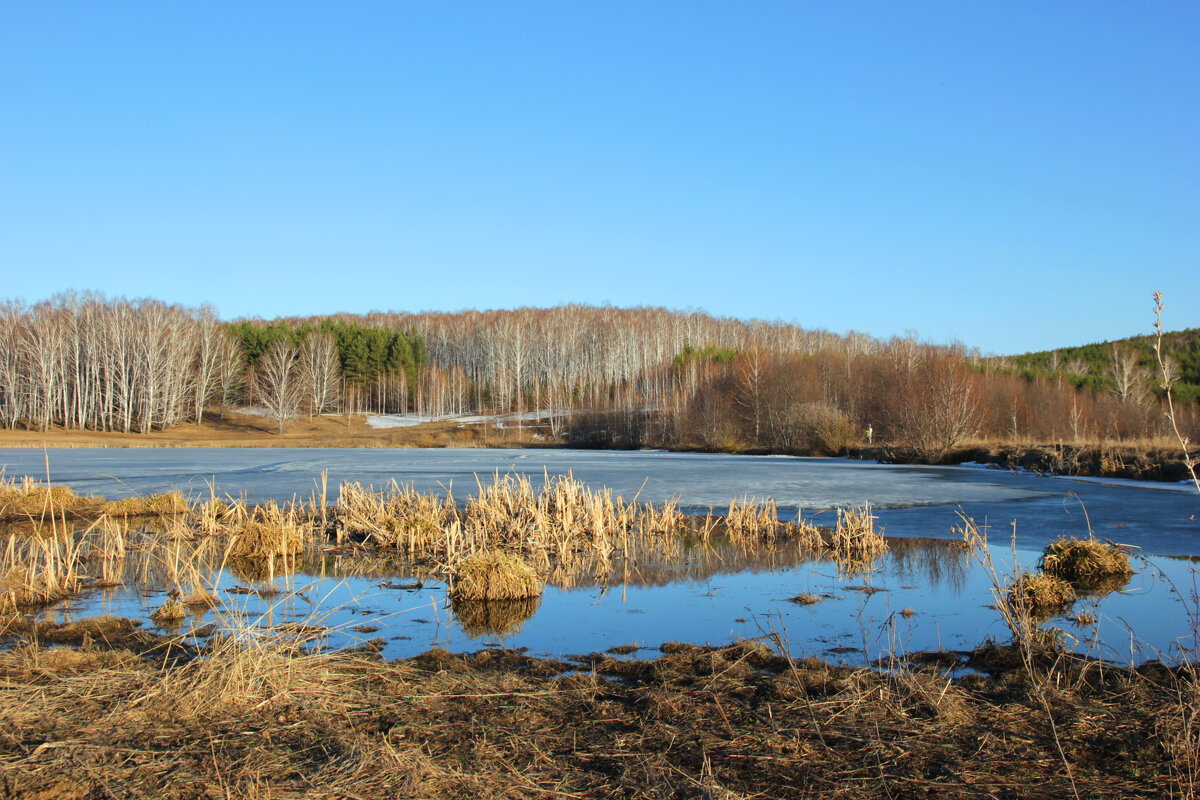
x: 752, y: 518
x: 1039, y: 594
x: 261, y: 717
x: 494, y: 575
x: 397, y: 516
x: 168, y: 504
x: 39, y: 570
x: 171, y: 612
x: 564, y: 530
x: 29, y: 499
x: 1087, y: 564
x: 855, y: 541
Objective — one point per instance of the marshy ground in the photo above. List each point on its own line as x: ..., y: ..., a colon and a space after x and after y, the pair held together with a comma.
x: 101, y: 709
x: 104, y: 707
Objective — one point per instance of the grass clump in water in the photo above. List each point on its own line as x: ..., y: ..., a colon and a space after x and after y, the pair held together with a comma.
x: 32, y: 499
x: 494, y: 575
x: 1087, y: 564
x: 171, y: 612
x: 1039, y: 594
x: 167, y: 504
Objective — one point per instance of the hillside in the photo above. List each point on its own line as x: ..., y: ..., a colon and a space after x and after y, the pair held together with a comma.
x: 1098, y: 366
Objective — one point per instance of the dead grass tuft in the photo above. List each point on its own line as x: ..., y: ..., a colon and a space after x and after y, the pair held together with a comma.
x: 1039, y: 594
x: 171, y: 612
x: 29, y: 499
x: 167, y: 504
x: 494, y: 575
x: 1087, y: 564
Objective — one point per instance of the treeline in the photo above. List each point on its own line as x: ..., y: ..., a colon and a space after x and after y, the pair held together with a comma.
x: 649, y: 377
x: 606, y: 376
x: 905, y: 393
x: 84, y: 361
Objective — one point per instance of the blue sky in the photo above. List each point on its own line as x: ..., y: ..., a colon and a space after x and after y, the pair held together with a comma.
x: 1016, y: 176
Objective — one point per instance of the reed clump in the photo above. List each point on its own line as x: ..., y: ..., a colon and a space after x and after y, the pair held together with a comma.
x: 259, y: 540
x: 494, y: 575
x: 856, y: 534
x: 396, y: 516
x: 39, y: 570
x: 1087, y: 564
x: 171, y: 612
x: 1038, y: 594
x: 166, y: 504
x: 752, y: 518
x: 31, y: 499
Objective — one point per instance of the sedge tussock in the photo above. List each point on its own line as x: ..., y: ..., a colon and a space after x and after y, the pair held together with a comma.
x: 752, y: 518
x: 167, y: 504
x: 494, y: 575
x: 1038, y: 594
x: 1087, y: 563
x: 171, y: 612
x: 31, y: 499
x: 855, y: 542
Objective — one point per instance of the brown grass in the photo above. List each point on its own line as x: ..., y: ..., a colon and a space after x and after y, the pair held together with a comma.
x: 171, y: 612
x: 1039, y: 594
x: 494, y: 575
x: 1087, y: 564
x: 260, y: 717
x: 29, y: 499
x: 168, y: 504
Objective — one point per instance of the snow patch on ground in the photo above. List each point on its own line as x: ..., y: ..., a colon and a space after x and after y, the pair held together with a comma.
x: 382, y: 421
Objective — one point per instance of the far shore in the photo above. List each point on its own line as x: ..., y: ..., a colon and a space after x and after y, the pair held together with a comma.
x: 1139, y: 460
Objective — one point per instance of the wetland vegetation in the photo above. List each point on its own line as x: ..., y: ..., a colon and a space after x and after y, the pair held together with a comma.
x: 246, y: 705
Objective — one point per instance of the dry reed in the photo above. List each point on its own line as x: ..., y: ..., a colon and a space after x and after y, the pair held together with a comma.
x: 167, y: 504
x: 1087, y: 564
x: 494, y: 575
x: 30, y: 499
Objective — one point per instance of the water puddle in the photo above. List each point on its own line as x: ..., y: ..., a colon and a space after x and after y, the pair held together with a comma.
x: 922, y: 595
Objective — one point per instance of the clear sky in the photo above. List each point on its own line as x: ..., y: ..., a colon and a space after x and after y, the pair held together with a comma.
x: 1013, y: 175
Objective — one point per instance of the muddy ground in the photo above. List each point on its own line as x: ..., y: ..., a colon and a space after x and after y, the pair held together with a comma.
x: 102, y: 709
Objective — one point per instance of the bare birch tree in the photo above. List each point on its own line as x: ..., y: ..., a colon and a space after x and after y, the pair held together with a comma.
x: 277, y: 381
x: 230, y: 368
x: 320, y: 371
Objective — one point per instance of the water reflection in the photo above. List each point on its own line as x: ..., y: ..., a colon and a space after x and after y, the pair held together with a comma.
x: 923, y: 594
x: 500, y: 618
x: 932, y: 562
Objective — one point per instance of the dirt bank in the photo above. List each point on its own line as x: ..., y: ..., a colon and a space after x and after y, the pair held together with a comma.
x: 1114, y: 460
x: 114, y: 712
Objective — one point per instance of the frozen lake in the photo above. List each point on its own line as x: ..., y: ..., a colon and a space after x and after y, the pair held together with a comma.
x: 1160, y: 519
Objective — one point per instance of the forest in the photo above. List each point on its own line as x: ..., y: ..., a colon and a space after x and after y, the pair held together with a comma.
x: 606, y: 377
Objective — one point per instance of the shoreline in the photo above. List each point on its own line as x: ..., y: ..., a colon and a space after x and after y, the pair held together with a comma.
x: 1136, y: 461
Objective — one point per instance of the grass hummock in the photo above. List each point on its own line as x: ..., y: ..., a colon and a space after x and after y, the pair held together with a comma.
x: 1039, y: 594
x: 1087, y: 564
x: 494, y: 575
